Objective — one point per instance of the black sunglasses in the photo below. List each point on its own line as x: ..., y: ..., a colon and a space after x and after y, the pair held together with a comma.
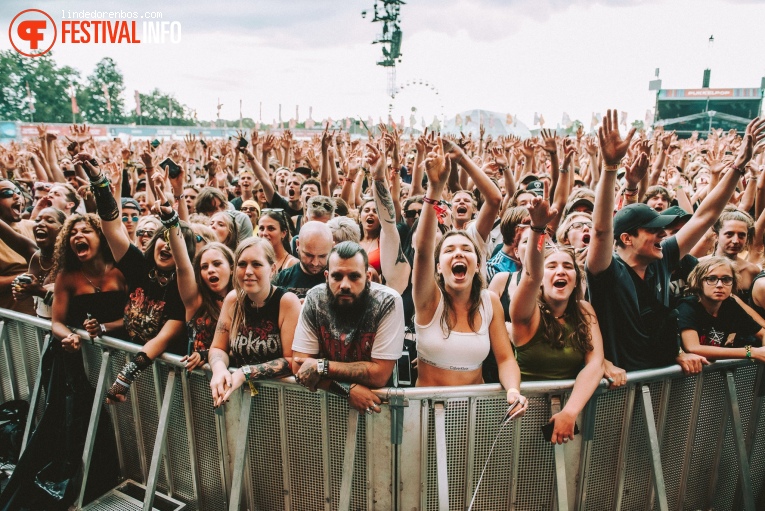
x: 411, y: 213
x: 144, y: 232
x: 7, y: 193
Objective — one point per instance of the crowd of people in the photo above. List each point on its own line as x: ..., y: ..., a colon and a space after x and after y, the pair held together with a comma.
x: 555, y: 257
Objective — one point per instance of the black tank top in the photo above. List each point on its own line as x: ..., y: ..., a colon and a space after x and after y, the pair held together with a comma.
x: 258, y: 338
x: 504, y: 298
x: 750, y: 300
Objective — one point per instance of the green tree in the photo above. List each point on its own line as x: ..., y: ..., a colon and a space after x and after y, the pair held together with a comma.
x: 94, y: 104
x: 48, y: 83
x: 638, y: 125
x: 156, y: 107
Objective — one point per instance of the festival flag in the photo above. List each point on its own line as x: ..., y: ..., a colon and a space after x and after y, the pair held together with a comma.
x: 297, y: 113
x: 280, y: 114
x: 75, y: 108
x: 402, y: 123
x: 348, y: 123
x: 509, y: 120
x: 566, y: 120
x: 240, y: 114
x: 105, y: 89
x: 458, y: 120
x: 624, y: 118
x: 138, y: 103
x: 30, y: 99
x: 648, y: 117
x: 593, y: 121
x: 468, y: 120
x: 536, y: 118
x: 220, y: 105
x: 541, y: 120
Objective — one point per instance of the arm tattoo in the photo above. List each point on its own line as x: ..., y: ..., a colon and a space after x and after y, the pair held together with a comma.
x: 385, y: 201
x: 401, y: 258
x: 352, y: 372
x: 269, y: 370
x: 222, y: 327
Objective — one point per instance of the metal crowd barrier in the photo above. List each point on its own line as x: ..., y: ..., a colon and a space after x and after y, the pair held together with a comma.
x: 665, y: 441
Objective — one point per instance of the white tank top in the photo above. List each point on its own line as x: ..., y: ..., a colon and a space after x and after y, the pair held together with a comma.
x: 460, y: 351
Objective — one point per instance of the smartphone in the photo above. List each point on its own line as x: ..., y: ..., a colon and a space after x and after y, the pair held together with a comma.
x: 547, y: 430
x: 69, y: 173
x: 242, y: 143
x: 24, y: 279
x: 173, y: 169
x: 404, y: 370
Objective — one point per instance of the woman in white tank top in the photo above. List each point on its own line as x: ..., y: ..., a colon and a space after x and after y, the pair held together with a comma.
x: 456, y: 319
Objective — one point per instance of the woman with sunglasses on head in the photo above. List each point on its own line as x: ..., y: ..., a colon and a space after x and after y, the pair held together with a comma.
x: 555, y: 332
x: 710, y: 321
x: 154, y: 315
x: 456, y: 319
x: 274, y: 228
x: 225, y: 229
x: 256, y: 325
x: 145, y: 230
x: 203, y: 285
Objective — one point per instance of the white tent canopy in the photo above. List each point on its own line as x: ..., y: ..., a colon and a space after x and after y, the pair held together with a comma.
x: 495, y: 124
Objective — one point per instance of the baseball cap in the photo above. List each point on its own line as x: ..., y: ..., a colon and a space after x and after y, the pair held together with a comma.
x: 303, y: 170
x: 528, y: 178
x: 677, y: 211
x: 130, y: 203
x: 581, y: 201
x: 637, y: 216
x: 536, y: 187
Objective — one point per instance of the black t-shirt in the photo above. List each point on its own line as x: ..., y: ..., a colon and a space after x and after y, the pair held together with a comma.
x: 294, y: 279
x: 150, y: 304
x: 732, y: 321
x: 237, y: 203
x: 280, y: 202
x: 633, y: 313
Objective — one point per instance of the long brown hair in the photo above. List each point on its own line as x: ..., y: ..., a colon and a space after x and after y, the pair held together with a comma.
x: 553, y: 332
x: 210, y: 305
x: 477, y: 285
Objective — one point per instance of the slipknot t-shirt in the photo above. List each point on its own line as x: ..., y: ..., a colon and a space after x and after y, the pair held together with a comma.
x: 258, y: 338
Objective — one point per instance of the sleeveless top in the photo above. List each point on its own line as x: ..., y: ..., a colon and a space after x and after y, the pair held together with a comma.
x: 106, y: 306
x: 374, y: 260
x: 459, y: 351
x: 538, y: 360
x: 504, y: 298
x: 258, y: 339
x: 201, y: 329
x: 759, y: 310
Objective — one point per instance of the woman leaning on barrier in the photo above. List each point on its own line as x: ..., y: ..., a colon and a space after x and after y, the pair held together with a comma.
x: 202, y: 284
x: 456, y: 319
x: 154, y: 315
x: 256, y: 324
x: 555, y: 332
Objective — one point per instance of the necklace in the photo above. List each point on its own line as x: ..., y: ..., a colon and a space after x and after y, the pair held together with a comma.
x: 95, y: 287
x: 561, y: 316
x: 161, y: 278
x: 284, y: 260
x: 270, y: 294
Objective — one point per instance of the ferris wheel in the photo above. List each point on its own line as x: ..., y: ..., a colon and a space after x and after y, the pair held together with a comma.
x: 418, y: 97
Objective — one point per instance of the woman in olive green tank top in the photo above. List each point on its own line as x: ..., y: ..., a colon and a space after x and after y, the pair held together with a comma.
x: 555, y: 332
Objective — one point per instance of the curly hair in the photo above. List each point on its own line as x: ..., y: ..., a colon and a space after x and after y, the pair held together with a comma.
x: 477, y: 285
x: 64, y: 258
x: 555, y: 333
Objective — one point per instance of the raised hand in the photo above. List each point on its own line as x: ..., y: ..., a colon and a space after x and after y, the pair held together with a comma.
x: 326, y: 139
x: 376, y: 160
x: 540, y: 212
x: 612, y: 146
x: 755, y: 133
x: 637, y: 169
x: 452, y: 150
x: 286, y: 139
x: 191, y: 144
x: 268, y: 144
x: 527, y: 148
x: 435, y: 163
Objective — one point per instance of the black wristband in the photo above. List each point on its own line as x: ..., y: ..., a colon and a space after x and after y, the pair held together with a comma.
x: 540, y: 230
x: 172, y: 221
x: 105, y: 202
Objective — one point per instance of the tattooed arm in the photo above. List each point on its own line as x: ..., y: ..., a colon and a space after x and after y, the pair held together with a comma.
x: 220, y: 382
x: 395, y: 267
x: 372, y: 374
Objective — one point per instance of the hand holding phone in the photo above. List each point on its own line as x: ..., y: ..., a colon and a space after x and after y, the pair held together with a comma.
x: 173, y: 169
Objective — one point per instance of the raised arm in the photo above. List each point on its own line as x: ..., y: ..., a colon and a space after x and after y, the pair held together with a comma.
x: 260, y: 173
x: 395, y: 267
x: 713, y: 205
x: 613, y: 148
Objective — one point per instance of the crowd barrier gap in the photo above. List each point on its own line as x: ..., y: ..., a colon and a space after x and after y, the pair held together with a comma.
x: 663, y: 441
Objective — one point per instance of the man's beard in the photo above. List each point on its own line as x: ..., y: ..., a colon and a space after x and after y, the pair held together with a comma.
x: 354, y: 309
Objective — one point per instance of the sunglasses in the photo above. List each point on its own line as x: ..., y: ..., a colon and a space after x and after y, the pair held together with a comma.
x: 145, y: 232
x: 134, y: 218
x: 39, y: 186
x: 7, y: 193
x: 712, y: 280
x: 249, y: 209
x: 411, y: 213
x: 198, y: 238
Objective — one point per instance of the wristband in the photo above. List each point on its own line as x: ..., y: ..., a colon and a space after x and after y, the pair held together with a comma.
x: 320, y: 367
x: 564, y: 171
x: 611, y: 168
x: 339, y: 389
x: 103, y: 329
x: 630, y: 192
x: 739, y: 169
x: 247, y: 370
x: 172, y: 221
x: 127, y: 376
x: 748, y: 351
x: 540, y: 230
x: 93, y: 162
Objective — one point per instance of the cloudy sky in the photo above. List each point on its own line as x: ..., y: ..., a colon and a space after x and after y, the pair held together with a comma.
x: 510, y: 56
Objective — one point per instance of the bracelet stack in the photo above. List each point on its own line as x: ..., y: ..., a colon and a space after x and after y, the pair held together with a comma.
x: 247, y: 370
x: 173, y: 221
x: 611, y: 168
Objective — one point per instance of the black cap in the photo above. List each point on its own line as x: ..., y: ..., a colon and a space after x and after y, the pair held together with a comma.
x: 636, y: 216
x: 536, y: 187
x: 303, y: 170
x: 528, y: 178
x: 678, y: 212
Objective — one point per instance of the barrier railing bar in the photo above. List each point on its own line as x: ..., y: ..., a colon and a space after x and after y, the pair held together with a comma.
x: 470, y: 450
x: 666, y: 387
x: 325, y: 449
x: 188, y: 413
x: 242, y: 440
x: 516, y: 439
x: 23, y: 354
x: 559, y: 455
x: 349, y: 456
x: 621, y: 466
x: 159, y: 442
x: 284, y: 444
x: 716, y: 456
x: 138, y: 430
x: 585, y: 453
x: 165, y: 454
x: 34, y: 398
x: 424, y: 422
x: 5, y: 345
x: 369, y: 428
x: 691, y: 436
x: 657, y: 474
x: 758, y: 392
x: 439, y: 412
x: 744, y: 474
x: 223, y: 459
x: 95, y: 416
x: 40, y: 338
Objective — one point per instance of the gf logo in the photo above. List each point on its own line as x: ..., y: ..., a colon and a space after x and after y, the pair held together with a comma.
x: 29, y: 33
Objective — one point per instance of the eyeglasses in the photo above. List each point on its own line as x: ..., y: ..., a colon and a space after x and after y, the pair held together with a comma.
x: 40, y: 186
x: 278, y: 211
x: 580, y: 225
x: 712, y: 280
x: 248, y: 209
x: 7, y: 193
x: 411, y: 213
x: 126, y: 218
x: 145, y: 232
